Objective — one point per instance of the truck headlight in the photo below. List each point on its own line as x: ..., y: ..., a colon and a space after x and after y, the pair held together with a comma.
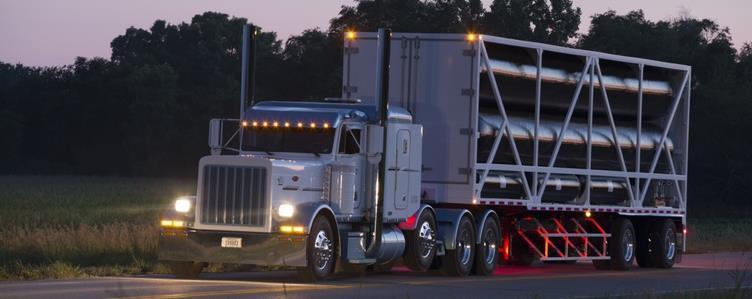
x: 286, y: 210
x: 183, y: 205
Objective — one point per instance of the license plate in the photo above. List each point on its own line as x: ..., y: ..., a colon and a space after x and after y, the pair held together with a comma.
x: 232, y: 242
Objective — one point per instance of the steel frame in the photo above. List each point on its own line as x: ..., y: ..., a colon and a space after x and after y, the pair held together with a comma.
x: 569, y: 251
x: 638, y: 180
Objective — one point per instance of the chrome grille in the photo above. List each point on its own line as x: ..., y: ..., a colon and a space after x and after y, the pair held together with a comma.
x: 234, y: 195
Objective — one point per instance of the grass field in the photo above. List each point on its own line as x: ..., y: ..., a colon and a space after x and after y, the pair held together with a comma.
x: 71, y: 226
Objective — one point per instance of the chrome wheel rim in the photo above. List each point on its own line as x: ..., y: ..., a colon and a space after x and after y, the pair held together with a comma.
x: 427, y: 239
x: 628, y: 243
x: 465, y: 247
x: 489, y: 244
x: 670, y: 245
x: 323, y: 250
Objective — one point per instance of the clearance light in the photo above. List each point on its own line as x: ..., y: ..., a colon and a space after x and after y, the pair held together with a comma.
x: 300, y: 125
x: 255, y: 124
x: 275, y: 124
x: 265, y: 124
x: 287, y: 229
x: 172, y: 223
x: 287, y: 124
x: 472, y: 37
x: 351, y: 35
x: 244, y: 123
x: 684, y: 231
x: 588, y: 214
x: 313, y: 125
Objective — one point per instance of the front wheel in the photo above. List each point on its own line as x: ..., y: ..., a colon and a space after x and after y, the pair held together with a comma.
x: 420, y: 248
x: 459, y: 262
x: 186, y: 269
x: 319, y: 251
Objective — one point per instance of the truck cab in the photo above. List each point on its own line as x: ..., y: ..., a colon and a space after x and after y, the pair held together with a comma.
x: 296, y: 162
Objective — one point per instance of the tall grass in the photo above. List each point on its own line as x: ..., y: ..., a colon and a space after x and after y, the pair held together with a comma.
x: 73, y: 226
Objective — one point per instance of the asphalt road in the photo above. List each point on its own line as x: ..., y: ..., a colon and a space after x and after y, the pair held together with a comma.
x: 696, y: 272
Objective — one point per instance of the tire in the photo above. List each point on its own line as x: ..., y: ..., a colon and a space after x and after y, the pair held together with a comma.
x: 643, y: 255
x: 664, y: 245
x: 459, y: 262
x: 621, y: 244
x: 420, y: 247
x: 186, y: 269
x: 320, y: 251
x: 521, y: 254
x: 487, y: 252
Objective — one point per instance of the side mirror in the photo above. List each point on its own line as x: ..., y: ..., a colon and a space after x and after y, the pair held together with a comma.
x: 215, y: 136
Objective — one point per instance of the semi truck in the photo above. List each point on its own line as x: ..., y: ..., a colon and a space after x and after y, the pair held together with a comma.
x: 455, y: 152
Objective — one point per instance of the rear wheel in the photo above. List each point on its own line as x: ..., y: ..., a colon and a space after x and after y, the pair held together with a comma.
x: 319, y: 251
x: 664, y: 244
x: 186, y: 269
x: 459, y: 262
x: 486, y: 253
x: 621, y: 245
x: 420, y: 247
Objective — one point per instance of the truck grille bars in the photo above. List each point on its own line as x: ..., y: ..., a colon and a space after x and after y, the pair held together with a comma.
x: 233, y: 195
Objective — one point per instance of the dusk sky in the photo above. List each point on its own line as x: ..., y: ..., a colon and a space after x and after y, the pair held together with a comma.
x: 54, y: 32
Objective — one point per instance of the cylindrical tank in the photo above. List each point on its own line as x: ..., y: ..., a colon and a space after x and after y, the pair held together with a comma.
x: 573, y: 151
x: 608, y: 191
x: 507, y: 185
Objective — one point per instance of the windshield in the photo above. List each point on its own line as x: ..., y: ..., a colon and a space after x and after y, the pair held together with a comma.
x: 294, y: 140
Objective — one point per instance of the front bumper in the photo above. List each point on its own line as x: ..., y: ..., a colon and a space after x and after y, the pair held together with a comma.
x: 267, y: 249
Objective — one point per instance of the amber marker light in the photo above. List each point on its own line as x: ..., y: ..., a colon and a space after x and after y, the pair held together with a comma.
x: 300, y: 125
x: 471, y: 37
x: 255, y: 124
x: 326, y: 125
x: 275, y: 124
x: 350, y: 35
x: 588, y: 214
x: 313, y: 125
x: 287, y: 124
x: 265, y: 124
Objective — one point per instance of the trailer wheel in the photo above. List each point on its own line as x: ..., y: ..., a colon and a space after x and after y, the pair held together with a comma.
x: 664, y: 244
x: 186, y: 269
x: 319, y: 251
x: 621, y: 244
x: 459, y: 262
x: 420, y: 247
x: 486, y: 253
x: 643, y: 255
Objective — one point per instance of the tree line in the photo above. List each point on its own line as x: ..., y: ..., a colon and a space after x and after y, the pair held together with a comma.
x: 145, y: 110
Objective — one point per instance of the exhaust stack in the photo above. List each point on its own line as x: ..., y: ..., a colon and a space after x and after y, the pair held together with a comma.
x: 248, y: 72
x: 382, y: 94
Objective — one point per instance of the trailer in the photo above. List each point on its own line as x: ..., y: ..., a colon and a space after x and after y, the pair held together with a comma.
x: 448, y: 151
